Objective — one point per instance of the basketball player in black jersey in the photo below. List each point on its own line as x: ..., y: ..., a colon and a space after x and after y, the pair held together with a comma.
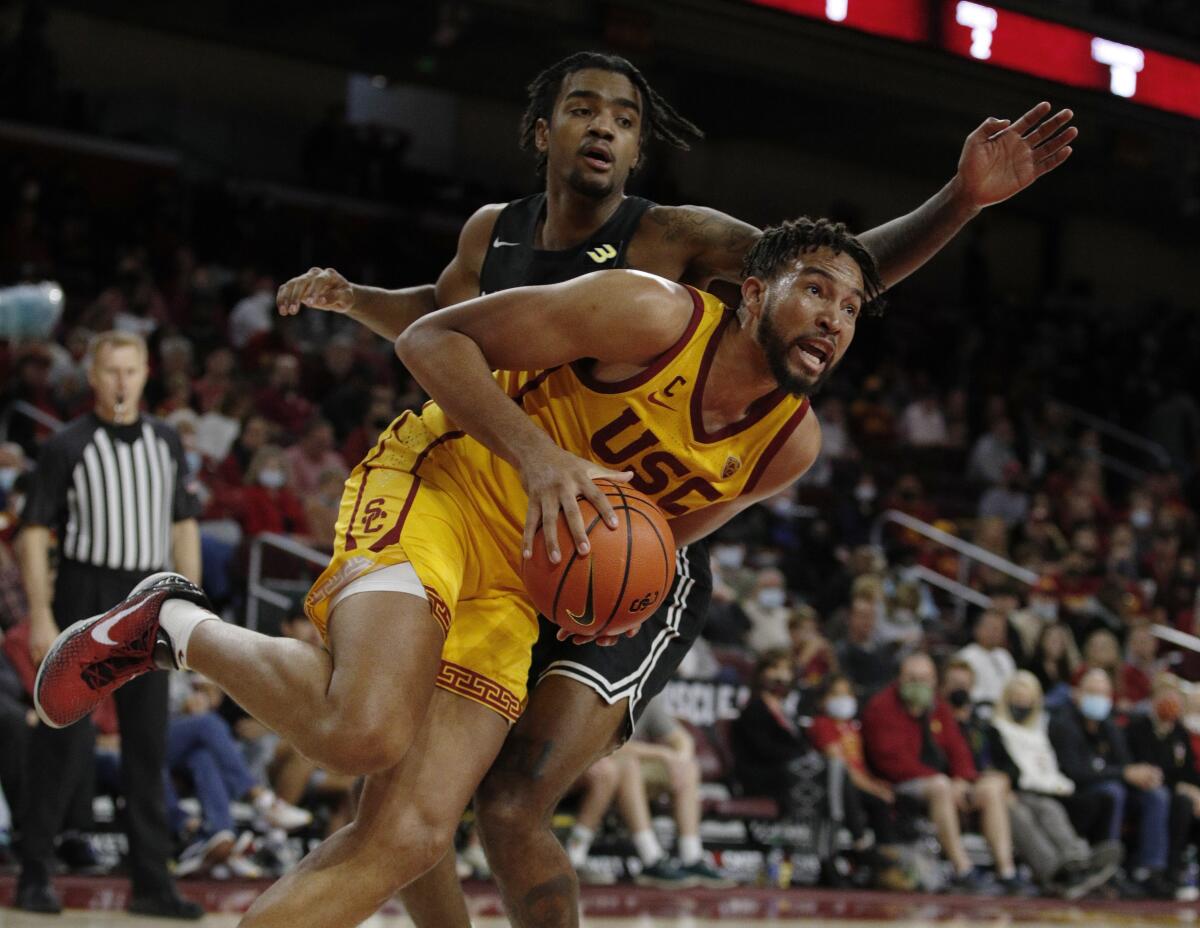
x: 588, y: 120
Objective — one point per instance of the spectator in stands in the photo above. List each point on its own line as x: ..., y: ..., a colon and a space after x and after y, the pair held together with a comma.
x: 1053, y: 662
x: 1061, y: 860
x: 1102, y: 651
x: 1191, y: 720
x: 598, y: 788
x: 321, y: 508
x: 661, y: 755
x: 1007, y: 499
x: 267, y: 503
x: 253, y: 314
x: 957, y: 684
x: 923, y: 425
x: 1142, y: 664
x: 255, y: 432
x: 869, y: 802
x: 280, y: 401
x: 380, y: 410
x: 216, y: 384
x: 767, y: 609
x: 310, y: 457
x: 1159, y: 739
x: 766, y: 739
x: 812, y: 654
x: 201, y: 744
x: 989, y: 657
x: 1092, y: 752
x: 868, y: 664
x: 913, y: 742
x: 992, y: 452
x: 218, y: 426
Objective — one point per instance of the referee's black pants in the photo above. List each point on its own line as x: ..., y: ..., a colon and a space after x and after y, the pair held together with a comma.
x: 61, y: 762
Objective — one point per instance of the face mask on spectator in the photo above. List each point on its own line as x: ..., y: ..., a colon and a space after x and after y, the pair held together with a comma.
x: 272, y: 478
x: 194, y: 461
x: 916, y: 695
x: 1141, y: 518
x: 730, y: 556
x: 959, y: 698
x: 1020, y: 714
x: 1192, y: 723
x: 8, y: 476
x: 865, y: 492
x: 1095, y: 707
x: 841, y: 707
x: 1167, y: 708
x: 1044, y: 609
x: 772, y: 597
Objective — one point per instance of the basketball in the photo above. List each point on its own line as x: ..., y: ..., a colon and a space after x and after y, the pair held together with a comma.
x: 620, y: 583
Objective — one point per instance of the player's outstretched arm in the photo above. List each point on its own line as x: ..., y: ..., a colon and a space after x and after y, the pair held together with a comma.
x: 615, y: 317
x: 999, y: 159
x: 389, y: 312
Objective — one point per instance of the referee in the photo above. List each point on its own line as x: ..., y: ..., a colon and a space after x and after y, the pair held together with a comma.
x: 111, y: 487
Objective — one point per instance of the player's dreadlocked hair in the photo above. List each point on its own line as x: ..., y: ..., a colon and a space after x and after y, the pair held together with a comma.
x: 659, y: 118
x: 782, y: 244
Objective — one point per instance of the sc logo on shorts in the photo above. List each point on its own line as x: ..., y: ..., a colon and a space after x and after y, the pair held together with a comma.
x: 646, y: 602
x: 374, y: 515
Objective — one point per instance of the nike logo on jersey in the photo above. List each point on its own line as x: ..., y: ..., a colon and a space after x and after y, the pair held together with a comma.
x: 602, y: 253
x: 653, y: 398
x: 588, y: 616
x: 496, y: 243
x: 100, y: 632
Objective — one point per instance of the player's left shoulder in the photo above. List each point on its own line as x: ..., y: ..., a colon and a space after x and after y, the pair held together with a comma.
x: 794, y: 457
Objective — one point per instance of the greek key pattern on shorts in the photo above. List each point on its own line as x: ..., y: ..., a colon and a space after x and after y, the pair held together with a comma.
x: 441, y: 612
x: 468, y: 683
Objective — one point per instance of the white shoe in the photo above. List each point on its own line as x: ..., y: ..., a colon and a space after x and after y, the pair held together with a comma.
x: 474, y: 857
x: 279, y: 814
x: 201, y: 856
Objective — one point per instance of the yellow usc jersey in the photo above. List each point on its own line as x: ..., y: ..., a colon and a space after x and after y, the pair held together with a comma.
x: 649, y: 424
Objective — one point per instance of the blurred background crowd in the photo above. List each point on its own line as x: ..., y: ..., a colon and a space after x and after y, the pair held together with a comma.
x: 933, y: 634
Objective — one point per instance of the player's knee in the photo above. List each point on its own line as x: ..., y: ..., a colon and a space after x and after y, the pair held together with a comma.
x: 506, y: 813
x: 357, y: 747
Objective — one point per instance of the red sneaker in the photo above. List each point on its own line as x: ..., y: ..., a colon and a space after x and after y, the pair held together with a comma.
x: 96, y: 656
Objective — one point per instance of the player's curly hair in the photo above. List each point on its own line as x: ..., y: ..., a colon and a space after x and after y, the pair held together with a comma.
x: 659, y: 119
x: 782, y: 244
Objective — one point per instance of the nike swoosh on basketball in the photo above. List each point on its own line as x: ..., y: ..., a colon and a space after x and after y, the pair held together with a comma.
x: 100, y: 632
x: 496, y: 243
x: 588, y: 616
x: 653, y: 398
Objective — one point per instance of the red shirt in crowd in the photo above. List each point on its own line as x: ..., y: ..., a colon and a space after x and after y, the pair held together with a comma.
x: 846, y: 732
x: 894, y: 740
x: 264, y: 510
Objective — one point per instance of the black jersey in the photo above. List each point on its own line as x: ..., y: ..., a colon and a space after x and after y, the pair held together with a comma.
x: 112, y: 492
x: 512, y: 261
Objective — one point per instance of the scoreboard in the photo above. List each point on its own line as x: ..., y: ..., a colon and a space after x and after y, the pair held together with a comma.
x: 1019, y: 42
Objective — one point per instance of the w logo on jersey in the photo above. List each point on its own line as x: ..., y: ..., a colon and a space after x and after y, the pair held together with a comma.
x: 602, y: 253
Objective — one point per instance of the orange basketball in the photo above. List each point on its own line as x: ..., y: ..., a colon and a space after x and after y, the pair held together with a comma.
x: 621, y: 582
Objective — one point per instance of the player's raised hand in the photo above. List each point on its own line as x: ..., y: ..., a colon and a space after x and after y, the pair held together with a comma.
x: 318, y: 287
x: 554, y: 479
x: 1002, y: 158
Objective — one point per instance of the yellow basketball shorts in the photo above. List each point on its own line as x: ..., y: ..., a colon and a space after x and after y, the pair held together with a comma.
x: 389, y: 516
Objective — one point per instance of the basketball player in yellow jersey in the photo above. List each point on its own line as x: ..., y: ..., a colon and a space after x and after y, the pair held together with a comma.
x: 447, y: 504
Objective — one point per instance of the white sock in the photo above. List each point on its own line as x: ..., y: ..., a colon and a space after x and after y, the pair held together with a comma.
x: 648, y: 847
x: 690, y: 850
x: 179, y: 618
x: 579, y: 842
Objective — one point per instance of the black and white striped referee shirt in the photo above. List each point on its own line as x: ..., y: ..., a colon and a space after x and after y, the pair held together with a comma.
x: 112, y: 492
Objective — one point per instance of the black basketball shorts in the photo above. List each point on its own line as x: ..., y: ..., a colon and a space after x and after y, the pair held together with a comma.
x: 635, y: 668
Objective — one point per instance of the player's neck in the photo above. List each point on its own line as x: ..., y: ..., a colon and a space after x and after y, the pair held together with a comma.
x: 572, y: 218
x: 739, y: 375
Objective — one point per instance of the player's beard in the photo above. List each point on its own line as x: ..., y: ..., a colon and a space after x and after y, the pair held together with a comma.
x: 776, y: 348
x: 594, y: 188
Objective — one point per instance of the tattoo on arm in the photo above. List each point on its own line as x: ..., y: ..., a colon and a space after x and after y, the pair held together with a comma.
x: 715, y: 243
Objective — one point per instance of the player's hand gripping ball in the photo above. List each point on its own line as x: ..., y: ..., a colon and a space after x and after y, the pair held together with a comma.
x: 624, y: 579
